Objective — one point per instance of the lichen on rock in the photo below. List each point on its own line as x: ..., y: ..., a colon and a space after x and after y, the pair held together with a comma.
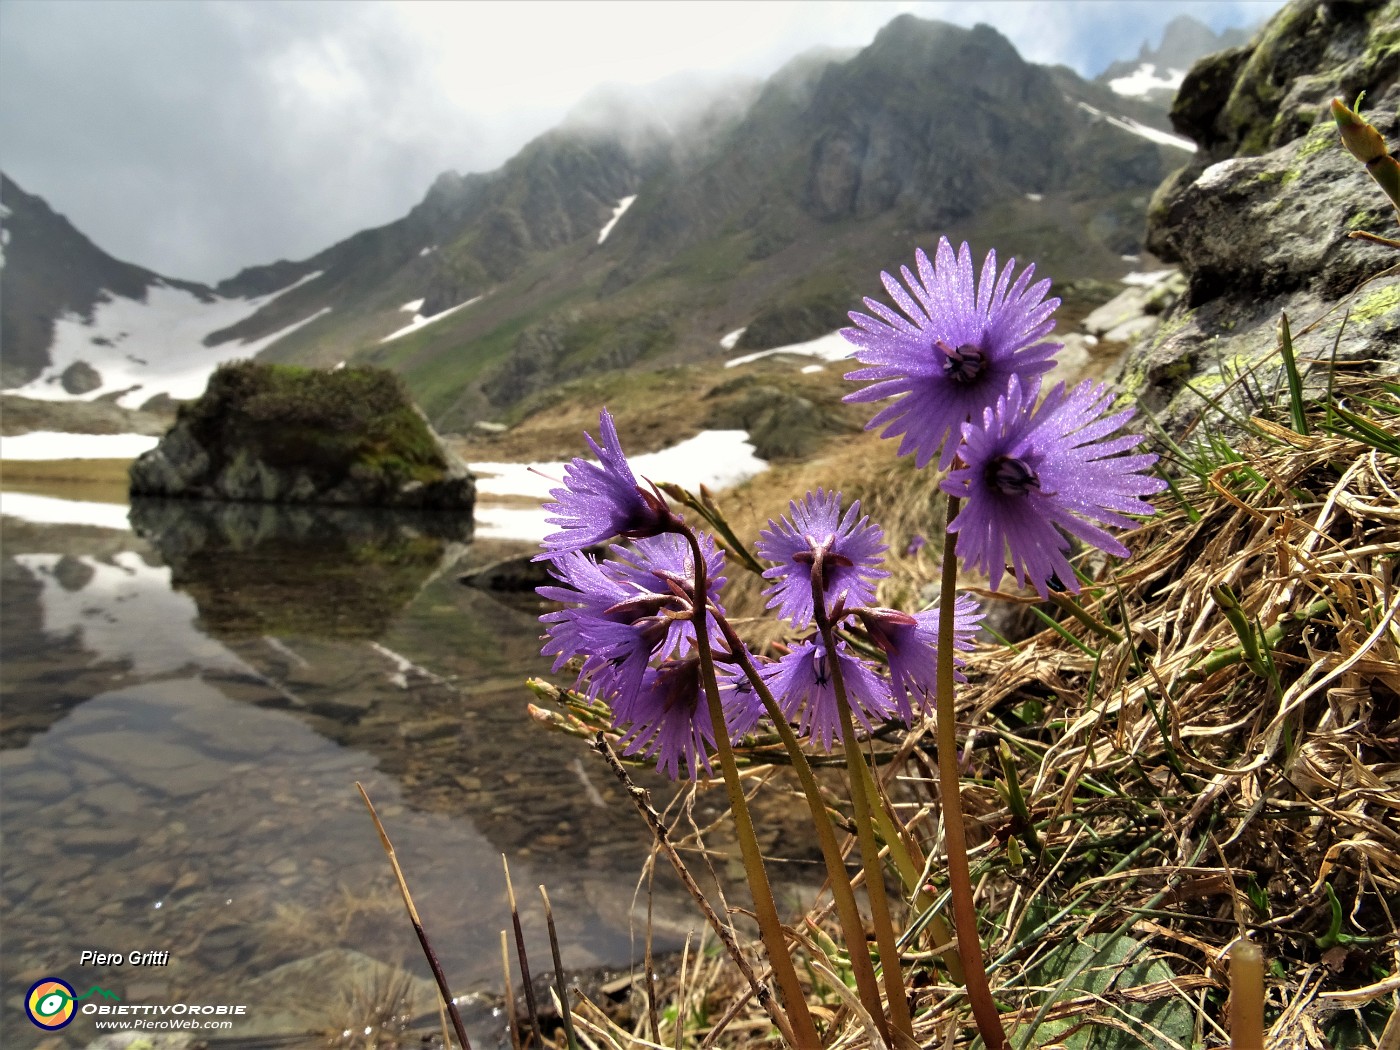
x: 284, y: 434
x: 1259, y: 218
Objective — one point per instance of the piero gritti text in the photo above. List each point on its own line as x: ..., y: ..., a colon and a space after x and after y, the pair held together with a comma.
x: 92, y: 958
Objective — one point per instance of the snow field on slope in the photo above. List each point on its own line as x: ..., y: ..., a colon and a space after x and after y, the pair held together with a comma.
x: 155, y: 345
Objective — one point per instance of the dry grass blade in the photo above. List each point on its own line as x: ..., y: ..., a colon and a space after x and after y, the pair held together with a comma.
x: 530, y: 1006
x: 417, y: 924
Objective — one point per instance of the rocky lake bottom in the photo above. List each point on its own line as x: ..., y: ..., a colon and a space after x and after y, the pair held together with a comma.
x: 186, y: 711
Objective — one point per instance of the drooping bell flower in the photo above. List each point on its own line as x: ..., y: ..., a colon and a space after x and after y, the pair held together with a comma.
x: 804, y: 688
x: 602, y: 500
x: 910, y: 644
x: 842, y: 553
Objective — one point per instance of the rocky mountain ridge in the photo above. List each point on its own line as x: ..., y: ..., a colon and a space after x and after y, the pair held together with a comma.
x: 1156, y: 73
x: 765, y: 209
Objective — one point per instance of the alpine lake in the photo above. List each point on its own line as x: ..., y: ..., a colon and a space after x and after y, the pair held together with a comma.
x: 186, y: 707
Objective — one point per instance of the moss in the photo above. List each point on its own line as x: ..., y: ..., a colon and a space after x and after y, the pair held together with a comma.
x: 1175, y: 372
x: 1320, y: 138
x: 326, y: 423
x: 1376, y: 304
x: 1365, y: 218
x: 1206, y: 381
x: 1171, y: 326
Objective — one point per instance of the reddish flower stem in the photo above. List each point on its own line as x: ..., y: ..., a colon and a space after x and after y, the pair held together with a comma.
x: 979, y: 993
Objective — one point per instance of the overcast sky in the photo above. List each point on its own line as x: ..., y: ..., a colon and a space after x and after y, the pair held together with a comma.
x: 199, y: 137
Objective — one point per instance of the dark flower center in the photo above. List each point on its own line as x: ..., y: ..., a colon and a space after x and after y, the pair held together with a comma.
x: 964, y: 363
x: 1011, y: 476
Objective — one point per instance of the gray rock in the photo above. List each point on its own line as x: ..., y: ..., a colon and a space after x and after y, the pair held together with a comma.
x: 1132, y: 329
x: 1128, y: 305
x: 1259, y: 218
x: 162, y: 766
x: 431, y: 729
x: 80, y: 378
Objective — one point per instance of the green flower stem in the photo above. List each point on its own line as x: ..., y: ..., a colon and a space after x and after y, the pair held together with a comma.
x: 911, y: 874
x: 979, y: 993
x: 803, y: 1032
x: 900, y: 1020
x: 841, y: 891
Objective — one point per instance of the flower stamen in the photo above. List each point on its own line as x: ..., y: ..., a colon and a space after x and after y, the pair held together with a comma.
x: 1011, y: 476
x: 962, y: 364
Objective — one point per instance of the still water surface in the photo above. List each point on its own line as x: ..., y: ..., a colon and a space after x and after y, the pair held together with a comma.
x: 186, y: 708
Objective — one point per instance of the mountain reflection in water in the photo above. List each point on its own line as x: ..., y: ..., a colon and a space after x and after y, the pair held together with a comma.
x: 185, y: 712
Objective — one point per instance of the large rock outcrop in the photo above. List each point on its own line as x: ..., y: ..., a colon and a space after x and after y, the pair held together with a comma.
x: 1259, y: 219
x: 282, y: 434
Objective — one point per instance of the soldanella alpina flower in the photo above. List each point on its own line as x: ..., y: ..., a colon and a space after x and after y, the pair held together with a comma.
x: 1032, y: 476
x: 621, y: 615
x: 601, y: 500
x: 953, y: 352
x: 843, y: 554
x: 910, y: 644
x: 667, y: 718
x: 805, y: 689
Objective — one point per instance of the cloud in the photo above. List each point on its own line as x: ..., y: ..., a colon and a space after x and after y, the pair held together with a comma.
x: 199, y: 138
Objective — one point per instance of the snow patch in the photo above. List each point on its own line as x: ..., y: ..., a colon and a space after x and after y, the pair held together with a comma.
x: 1162, y: 138
x: 716, y: 459
x: 413, y: 307
x: 427, y: 251
x: 618, y: 213
x: 155, y: 346
x: 831, y: 347
x: 1035, y: 198
x: 730, y: 341
x: 1148, y: 279
x: 48, y: 510
x: 1142, y: 81
x: 49, y: 444
x: 810, y: 369
x: 419, y: 321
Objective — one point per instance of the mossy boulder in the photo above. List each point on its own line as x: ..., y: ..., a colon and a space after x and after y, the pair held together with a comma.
x: 284, y: 434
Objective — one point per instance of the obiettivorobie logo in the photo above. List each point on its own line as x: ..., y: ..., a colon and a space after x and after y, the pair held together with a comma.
x: 50, y: 1002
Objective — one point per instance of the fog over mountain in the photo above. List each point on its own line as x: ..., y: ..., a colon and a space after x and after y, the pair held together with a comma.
x: 197, y: 139
x: 646, y: 229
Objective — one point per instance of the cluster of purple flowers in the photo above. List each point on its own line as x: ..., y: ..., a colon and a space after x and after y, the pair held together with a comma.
x: 964, y: 364
x: 629, y: 619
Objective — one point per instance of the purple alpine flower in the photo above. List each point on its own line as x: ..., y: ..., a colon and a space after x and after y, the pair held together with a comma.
x: 669, y: 717
x: 956, y: 351
x: 1032, y: 475
x: 610, y: 625
x: 601, y: 500
x: 910, y: 644
x: 804, y: 689
x: 621, y: 615
x: 670, y: 720
x: 843, y: 553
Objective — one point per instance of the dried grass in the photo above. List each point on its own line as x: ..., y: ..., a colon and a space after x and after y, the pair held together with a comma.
x: 1181, y: 790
